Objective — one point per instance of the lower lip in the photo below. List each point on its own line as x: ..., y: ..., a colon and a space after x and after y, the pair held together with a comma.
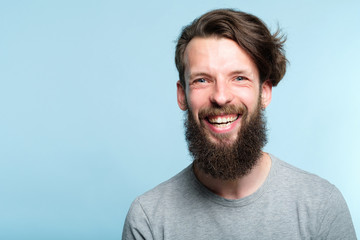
x: 226, y: 129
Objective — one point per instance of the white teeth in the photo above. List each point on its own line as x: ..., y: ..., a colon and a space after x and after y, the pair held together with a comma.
x: 223, y: 125
x: 222, y: 120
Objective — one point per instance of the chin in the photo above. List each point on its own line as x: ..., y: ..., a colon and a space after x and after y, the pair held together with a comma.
x: 223, y: 138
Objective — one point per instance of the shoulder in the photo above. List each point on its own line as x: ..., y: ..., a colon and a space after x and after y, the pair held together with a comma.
x: 293, y: 177
x: 301, y: 190
x: 151, y: 209
x: 171, y: 192
x: 168, y: 189
x: 316, y: 200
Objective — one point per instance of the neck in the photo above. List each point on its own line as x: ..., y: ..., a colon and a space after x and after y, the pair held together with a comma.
x: 240, y: 187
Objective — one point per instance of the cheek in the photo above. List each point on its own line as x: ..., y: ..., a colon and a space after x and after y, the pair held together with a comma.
x: 196, y: 100
x: 249, y: 96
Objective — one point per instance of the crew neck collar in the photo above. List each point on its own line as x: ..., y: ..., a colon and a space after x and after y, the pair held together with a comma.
x: 235, y: 202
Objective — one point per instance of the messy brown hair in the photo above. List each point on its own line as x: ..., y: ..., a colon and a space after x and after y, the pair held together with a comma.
x: 265, y: 49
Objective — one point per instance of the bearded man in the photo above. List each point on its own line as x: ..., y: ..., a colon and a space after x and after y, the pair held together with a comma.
x: 228, y: 62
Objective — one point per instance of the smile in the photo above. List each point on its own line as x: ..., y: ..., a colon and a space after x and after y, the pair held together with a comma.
x: 222, y: 121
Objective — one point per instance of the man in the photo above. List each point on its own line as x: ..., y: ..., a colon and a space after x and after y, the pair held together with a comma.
x: 228, y: 62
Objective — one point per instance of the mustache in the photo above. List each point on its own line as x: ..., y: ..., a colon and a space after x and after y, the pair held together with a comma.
x: 227, y: 109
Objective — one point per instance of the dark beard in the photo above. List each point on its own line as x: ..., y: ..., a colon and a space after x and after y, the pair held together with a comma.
x: 228, y: 161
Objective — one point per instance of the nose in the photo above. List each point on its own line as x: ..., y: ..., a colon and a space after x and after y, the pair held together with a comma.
x: 221, y: 94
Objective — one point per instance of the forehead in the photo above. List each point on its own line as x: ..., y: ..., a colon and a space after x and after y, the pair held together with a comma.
x: 217, y: 56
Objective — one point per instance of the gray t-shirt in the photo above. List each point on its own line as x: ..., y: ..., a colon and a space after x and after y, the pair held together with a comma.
x: 291, y: 204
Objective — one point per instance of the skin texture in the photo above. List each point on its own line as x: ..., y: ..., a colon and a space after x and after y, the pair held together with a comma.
x: 220, y: 74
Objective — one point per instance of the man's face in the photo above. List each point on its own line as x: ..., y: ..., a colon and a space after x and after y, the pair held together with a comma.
x: 225, y: 127
x: 222, y: 88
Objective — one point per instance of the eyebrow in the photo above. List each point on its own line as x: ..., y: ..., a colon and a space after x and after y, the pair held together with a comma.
x: 240, y: 72
x: 198, y: 74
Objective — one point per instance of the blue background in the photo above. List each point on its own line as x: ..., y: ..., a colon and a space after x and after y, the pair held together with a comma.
x: 88, y: 112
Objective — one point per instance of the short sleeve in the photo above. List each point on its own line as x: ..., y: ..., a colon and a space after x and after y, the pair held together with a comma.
x: 336, y: 222
x: 137, y: 225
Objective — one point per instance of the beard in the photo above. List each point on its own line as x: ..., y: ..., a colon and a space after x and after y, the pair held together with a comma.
x: 224, y: 160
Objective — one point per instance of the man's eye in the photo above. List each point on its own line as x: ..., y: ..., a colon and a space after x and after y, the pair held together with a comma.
x: 200, y: 80
x: 239, y: 78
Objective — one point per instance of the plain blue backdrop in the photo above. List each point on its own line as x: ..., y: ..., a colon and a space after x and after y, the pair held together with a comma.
x: 88, y: 112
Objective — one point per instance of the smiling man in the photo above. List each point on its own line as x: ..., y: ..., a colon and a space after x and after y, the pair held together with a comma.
x: 228, y: 62
x: 222, y: 91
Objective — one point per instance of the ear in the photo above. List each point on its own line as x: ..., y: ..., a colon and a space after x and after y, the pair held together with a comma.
x: 266, y: 93
x: 181, y: 96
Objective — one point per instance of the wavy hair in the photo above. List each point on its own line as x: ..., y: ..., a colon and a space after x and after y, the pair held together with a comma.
x: 248, y: 31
